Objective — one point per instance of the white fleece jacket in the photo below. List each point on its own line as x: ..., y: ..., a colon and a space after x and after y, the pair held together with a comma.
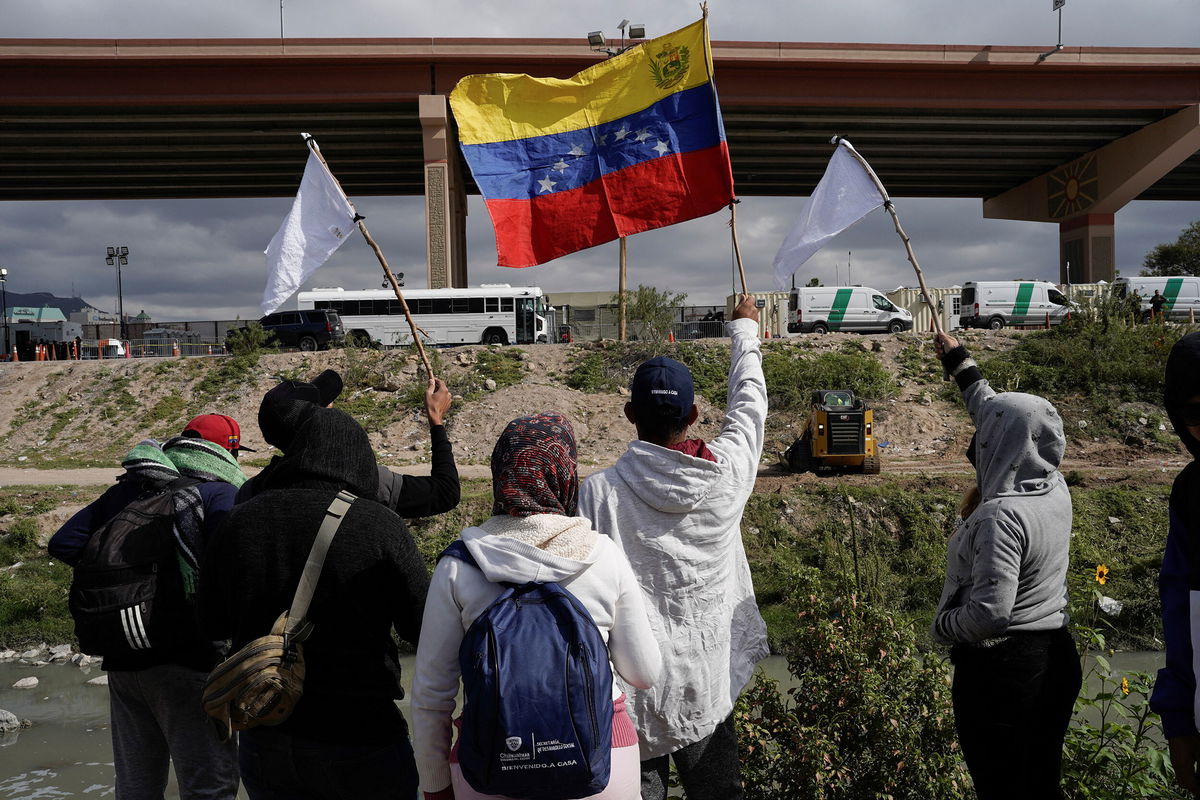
x: 543, y: 547
x: 678, y: 518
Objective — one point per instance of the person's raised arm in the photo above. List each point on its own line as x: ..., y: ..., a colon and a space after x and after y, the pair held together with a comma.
x: 746, y: 403
x: 424, y: 496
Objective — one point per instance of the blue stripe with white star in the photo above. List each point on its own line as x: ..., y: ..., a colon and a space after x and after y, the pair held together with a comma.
x: 523, y: 168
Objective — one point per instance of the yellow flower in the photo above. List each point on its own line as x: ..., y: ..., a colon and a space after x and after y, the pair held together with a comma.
x: 1101, y: 574
x: 1124, y: 685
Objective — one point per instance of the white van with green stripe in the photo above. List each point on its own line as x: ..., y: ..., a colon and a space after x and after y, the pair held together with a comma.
x: 861, y: 309
x: 1182, y: 294
x: 1002, y: 304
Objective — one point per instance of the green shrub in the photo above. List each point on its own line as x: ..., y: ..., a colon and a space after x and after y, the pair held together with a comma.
x: 250, y: 340
x: 793, y: 375
x: 869, y: 718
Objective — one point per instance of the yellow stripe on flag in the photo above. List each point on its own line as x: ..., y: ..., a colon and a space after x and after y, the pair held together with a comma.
x: 501, y: 107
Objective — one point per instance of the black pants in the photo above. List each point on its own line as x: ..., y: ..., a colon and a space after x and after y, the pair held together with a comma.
x: 708, y: 769
x: 1012, y: 706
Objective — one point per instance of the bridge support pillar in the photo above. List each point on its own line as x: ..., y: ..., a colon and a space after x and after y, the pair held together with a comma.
x: 445, y: 196
x: 1083, y: 195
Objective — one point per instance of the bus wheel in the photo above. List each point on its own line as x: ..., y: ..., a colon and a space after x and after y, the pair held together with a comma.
x: 495, y: 336
x: 996, y: 323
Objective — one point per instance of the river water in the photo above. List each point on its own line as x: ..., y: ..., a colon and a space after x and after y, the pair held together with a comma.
x: 68, y: 751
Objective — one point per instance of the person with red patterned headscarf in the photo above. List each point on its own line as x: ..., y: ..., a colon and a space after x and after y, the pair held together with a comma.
x: 532, y: 535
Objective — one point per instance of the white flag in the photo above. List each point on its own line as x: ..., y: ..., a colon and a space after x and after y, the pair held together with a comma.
x: 847, y: 193
x: 320, y: 220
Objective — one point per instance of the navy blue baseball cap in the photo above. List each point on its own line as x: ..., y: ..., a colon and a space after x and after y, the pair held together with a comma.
x: 662, y: 388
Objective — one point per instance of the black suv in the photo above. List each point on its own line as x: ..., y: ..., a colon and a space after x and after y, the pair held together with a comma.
x: 312, y: 329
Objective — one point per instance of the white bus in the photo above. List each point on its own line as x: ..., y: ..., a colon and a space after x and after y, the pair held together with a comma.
x: 494, y: 313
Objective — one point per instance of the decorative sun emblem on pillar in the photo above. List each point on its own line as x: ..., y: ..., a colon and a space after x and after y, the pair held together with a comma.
x: 1072, y: 189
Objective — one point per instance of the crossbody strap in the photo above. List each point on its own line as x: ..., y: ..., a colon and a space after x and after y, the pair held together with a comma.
x: 297, y: 625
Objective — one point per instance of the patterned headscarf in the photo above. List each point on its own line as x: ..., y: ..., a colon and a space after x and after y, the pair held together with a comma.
x: 534, y: 468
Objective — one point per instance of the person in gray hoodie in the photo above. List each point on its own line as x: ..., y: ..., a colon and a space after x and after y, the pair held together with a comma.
x: 674, y: 505
x: 1003, y: 604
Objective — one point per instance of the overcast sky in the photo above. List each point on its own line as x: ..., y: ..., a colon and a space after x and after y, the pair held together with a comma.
x: 202, y: 259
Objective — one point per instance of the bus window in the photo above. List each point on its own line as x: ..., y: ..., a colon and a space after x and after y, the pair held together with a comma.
x: 491, y: 305
x: 506, y: 304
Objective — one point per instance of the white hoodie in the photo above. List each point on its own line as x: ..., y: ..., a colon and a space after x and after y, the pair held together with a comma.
x: 544, y: 548
x: 678, y: 519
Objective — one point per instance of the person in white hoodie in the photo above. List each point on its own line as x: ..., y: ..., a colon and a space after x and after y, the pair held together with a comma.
x: 534, y: 535
x: 674, y: 505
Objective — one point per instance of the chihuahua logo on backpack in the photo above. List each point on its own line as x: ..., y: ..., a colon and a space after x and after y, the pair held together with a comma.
x: 514, y: 743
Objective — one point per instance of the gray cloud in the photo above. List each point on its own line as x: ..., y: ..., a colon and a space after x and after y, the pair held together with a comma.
x: 203, y: 258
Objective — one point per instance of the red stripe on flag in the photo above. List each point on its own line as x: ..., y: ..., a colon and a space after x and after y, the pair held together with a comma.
x: 652, y: 194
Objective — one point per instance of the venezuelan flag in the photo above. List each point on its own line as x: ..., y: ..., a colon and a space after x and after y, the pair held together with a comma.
x: 627, y: 145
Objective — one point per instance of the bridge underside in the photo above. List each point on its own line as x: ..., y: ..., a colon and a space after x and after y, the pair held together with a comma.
x: 87, y: 152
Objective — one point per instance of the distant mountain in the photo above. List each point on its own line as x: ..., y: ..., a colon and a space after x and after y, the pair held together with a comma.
x: 68, y: 305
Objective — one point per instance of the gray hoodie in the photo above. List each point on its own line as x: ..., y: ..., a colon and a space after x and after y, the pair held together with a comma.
x: 1007, y: 564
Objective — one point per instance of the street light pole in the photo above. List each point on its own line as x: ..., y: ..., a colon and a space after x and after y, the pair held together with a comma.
x: 118, y: 255
x: 4, y: 301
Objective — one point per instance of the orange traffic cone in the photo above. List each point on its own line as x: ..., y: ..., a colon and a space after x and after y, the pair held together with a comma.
x: 174, y: 347
x: 766, y: 333
x: 15, y: 357
x: 128, y: 350
x: 670, y: 336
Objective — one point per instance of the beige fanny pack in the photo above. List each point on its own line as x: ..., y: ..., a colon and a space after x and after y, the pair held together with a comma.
x: 261, y: 683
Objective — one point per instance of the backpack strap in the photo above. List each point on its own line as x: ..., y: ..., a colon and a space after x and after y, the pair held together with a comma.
x: 458, y: 549
x: 298, y: 627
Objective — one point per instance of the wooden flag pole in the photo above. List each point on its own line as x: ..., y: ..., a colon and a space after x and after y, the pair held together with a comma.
x: 891, y: 209
x: 621, y: 305
x: 387, y: 271
x: 737, y: 250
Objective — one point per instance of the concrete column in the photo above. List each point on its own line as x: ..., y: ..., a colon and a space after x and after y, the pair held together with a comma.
x: 1086, y: 244
x: 1083, y: 195
x: 445, y: 196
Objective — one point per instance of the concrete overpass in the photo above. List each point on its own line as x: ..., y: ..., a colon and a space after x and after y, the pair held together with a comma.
x: 1068, y: 140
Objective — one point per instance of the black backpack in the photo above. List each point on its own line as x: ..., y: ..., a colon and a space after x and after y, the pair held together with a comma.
x: 127, y: 594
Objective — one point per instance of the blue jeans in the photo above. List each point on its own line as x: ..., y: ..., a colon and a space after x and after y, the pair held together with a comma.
x: 278, y: 766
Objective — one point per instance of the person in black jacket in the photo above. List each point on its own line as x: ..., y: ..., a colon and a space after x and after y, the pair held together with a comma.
x: 346, y: 737
x: 410, y: 496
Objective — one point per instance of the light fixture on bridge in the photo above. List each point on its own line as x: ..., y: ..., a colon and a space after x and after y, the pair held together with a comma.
x: 628, y: 30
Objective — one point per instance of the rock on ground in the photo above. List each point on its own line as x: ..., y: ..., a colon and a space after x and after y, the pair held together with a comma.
x: 26, y: 683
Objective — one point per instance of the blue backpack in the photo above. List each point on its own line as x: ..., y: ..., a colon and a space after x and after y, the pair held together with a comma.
x: 537, y: 689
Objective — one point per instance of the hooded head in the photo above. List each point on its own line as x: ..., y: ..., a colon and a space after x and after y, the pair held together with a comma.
x: 534, y: 469
x: 328, y: 447
x: 1018, y: 444
x: 277, y: 413
x: 1182, y: 388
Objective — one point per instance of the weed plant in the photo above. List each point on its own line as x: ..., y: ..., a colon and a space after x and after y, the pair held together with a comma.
x: 1114, y: 748
x: 33, y: 596
x: 1094, y: 364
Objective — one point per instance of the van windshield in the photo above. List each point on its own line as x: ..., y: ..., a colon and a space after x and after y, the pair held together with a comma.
x: 882, y: 303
